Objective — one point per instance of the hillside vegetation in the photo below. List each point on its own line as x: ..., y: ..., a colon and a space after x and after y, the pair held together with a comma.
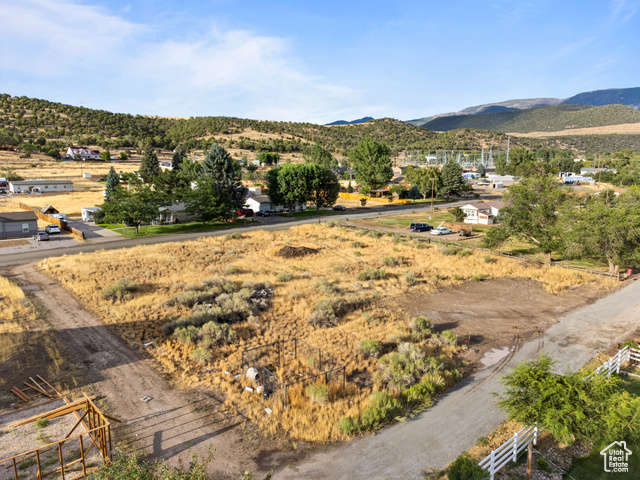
x: 558, y: 118
x: 28, y: 120
x: 624, y: 96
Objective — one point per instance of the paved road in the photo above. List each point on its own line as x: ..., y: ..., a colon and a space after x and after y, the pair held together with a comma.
x: 468, y: 411
x: 270, y: 224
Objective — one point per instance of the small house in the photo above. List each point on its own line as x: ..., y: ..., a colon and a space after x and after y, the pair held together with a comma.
x: 84, y: 153
x: 41, y: 186
x: 482, y: 213
x: 18, y: 224
x: 173, y: 213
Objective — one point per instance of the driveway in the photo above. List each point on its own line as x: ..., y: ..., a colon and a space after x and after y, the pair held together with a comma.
x: 468, y: 411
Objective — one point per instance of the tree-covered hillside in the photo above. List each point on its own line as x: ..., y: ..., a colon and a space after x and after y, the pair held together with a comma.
x: 552, y: 118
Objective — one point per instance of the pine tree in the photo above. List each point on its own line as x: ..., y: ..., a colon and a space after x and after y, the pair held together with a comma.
x: 349, y: 187
x: 452, y: 180
x: 224, y: 174
x: 112, y: 182
x: 149, y: 166
x: 178, y: 157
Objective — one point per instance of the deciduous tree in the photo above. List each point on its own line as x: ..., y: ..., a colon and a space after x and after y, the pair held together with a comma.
x: 372, y: 163
x: 319, y: 155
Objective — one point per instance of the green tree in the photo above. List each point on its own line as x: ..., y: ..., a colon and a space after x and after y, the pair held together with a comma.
x: 319, y: 155
x: 372, y: 163
x: 399, y: 190
x: 414, y: 193
x: 501, y: 166
x: 458, y: 214
x: 178, y: 157
x: 323, y: 185
x: 570, y: 407
x: 124, y: 156
x: 532, y: 212
x: 428, y: 180
x: 452, y: 180
x: 606, y: 229
x: 291, y: 185
x: 149, y: 165
x: 206, y: 201
x: 112, y: 182
x: 105, y: 155
x: 134, y: 206
x: 224, y: 172
x: 481, y: 170
x: 349, y: 187
x: 466, y: 468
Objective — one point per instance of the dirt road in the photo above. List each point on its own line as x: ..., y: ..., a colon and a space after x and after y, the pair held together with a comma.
x: 468, y: 411
x: 173, y: 424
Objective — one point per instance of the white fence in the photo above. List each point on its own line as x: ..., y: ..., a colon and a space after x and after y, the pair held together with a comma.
x: 509, y: 450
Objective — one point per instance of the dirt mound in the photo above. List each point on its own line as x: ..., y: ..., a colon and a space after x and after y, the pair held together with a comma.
x: 295, y: 252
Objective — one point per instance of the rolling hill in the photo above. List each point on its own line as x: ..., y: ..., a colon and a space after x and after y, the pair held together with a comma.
x: 551, y: 118
x: 352, y: 122
x: 623, y: 96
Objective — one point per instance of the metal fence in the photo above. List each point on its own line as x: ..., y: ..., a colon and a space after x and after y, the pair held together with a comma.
x: 509, y: 450
x: 288, y: 363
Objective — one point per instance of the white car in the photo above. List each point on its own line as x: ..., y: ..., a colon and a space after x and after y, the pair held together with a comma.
x: 52, y: 229
x: 441, y: 231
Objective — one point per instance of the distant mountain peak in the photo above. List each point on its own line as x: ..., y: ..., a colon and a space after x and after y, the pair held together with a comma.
x: 353, y: 122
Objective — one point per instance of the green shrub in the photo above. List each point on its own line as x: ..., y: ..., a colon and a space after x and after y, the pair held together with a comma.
x: 200, y: 355
x: 374, y: 234
x: 317, y: 393
x: 187, y: 335
x: 357, y: 253
x: 630, y: 344
x: 450, y: 250
x: 369, y: 348
x: 232, y: 269
x: 191, y: 297
x: 218, y: 285
x: 284, y: 277
x: 340, y: 268
x: 381, y: 409
x: 542, y: 464
x: 120, y: 290
x: 356, y: 244
x: 489, y: 259
x: 41, y: 422
x: 233, y: 236
x: 327, y: 287
x: 372, y: 274
x: 464, y: 253
x: 420, y: 328
x: 449, y: 337
x: 406, y: 367
x: 420, y: 395
x: 213, y: 333
x: 484, y: 441
x: 410, y: 278
x: 328, y: 311
x: 466, y: 468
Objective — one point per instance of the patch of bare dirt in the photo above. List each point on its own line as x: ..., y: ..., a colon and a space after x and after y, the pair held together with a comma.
x: 295, y: 252
x: 623, y: 128
x: 13, y: 243
x: 492, y: 314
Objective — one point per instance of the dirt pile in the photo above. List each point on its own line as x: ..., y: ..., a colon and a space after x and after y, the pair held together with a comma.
x: 295, y: 252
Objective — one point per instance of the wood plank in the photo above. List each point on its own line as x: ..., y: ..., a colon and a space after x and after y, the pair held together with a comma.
x: 48, y: 385
x: 30, y: 406
x: 58, y: 412
x: 39, y: 390
x: 19, y: 394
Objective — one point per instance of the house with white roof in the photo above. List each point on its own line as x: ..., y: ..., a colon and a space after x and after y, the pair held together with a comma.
x: 482, y: 213
x: 84, y: 153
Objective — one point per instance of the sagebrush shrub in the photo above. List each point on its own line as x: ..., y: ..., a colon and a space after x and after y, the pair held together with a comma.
x: 120, y: 290
x: 369, y: 348
x: 190, y: 298
x: 406, y: 366
x: 466, y: 468
x: 284, y: 277
x: 187, y: 335
x: 213, y: 333
x: 381, y: 409
x: 372, y: 274
x: 410, y: 278
x: 464, y: 253
x: 420, y: 328
x: 450, y: 250
x: 449, y: 337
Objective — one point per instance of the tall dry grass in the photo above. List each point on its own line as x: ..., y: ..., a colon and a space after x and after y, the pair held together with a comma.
x: 163, y: 270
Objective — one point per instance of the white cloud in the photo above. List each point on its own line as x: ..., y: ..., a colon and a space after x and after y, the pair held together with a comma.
x: 623, y: 10
x: 111, y: 63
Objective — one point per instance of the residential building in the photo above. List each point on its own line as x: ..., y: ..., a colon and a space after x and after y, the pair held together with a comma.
x: 41, y: 186
x: 18, y: 224
x: 84, y: 153
x: 482, y: 213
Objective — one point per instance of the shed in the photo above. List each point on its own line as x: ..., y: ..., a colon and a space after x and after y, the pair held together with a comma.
x: 48, y: 210
x: 18, y: 224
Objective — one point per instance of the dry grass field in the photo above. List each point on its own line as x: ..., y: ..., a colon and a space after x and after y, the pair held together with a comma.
x: 623, y: 129
x: 343, y: 288
x: 26, y: 348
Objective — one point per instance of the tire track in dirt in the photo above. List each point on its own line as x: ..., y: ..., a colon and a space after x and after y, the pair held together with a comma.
x: 174, y: 424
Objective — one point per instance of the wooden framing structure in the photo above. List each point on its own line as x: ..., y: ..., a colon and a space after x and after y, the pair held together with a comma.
x: 60, y: 456
x: 35, y: 389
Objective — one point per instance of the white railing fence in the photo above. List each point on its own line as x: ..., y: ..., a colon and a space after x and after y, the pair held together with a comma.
x: 509, y: 450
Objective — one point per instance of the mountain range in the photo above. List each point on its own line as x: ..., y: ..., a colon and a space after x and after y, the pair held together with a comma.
x: 622, y: 96
x: 352, y: 122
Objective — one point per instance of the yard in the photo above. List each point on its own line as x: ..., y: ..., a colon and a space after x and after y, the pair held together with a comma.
x: 154, y: 230
x: 347, y: 292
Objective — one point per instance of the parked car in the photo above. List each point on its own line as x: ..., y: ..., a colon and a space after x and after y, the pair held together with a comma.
x: 42, y: 236
x: 247, y: 212
x: 441, y: 231
x: 52, y: 229
x: 339, y: 208
x: 420, y: 227
x: 263, y: 213
x: 3, y: 192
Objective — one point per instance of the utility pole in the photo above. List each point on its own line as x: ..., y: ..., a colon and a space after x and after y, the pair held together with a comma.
x: 529, y: 462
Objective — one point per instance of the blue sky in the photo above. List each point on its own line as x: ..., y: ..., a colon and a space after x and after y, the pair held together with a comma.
x: 313, y: 61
